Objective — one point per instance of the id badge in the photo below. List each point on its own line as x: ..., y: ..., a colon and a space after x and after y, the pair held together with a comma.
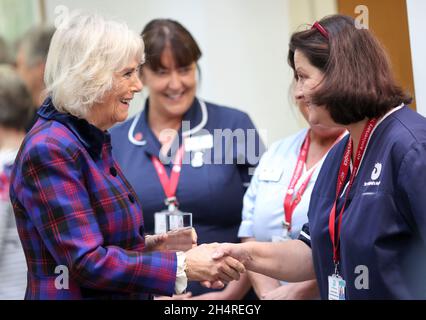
x: 178, y: 226
x: 336, y: 288
x: 166, y: 221
x: 160, y: 224
x: 198, y: 143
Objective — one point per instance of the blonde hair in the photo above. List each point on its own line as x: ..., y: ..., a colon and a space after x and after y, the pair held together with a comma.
x: 84, y: 54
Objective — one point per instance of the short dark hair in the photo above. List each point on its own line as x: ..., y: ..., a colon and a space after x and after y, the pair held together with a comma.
x: 16, y: 110
x: 358, y: 80
x: 160, y: 34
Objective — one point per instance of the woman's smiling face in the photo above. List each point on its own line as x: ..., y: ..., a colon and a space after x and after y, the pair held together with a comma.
x: 172, y: 88
x: 115, y: 104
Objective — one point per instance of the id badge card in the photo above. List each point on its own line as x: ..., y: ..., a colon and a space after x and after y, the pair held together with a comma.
x: 178, y: 226
x: 166, y: 221
x: 336, y: 288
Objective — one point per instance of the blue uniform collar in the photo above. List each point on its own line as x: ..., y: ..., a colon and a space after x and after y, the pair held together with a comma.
x: 195, y: 119
x: 90, y: 136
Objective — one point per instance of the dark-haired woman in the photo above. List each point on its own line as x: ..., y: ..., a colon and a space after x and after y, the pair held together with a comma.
x: 366, y: 237
x: 206, y: 149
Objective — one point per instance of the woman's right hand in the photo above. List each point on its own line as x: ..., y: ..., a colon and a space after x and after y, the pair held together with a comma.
x: 200, y: 266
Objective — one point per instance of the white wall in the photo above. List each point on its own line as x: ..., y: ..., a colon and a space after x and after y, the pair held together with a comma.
x: 244, y: 44
x: 416, y: 10
x: 304, y: 12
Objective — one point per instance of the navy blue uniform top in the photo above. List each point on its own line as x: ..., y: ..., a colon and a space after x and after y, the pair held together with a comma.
x: 383, y: 228
x: 213, y: 193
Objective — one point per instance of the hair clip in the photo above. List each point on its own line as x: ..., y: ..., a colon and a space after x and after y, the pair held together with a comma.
x: 320, y: 28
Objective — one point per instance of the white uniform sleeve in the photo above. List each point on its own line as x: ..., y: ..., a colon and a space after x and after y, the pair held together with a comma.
x: 249, y: 202
x: 181, y: 278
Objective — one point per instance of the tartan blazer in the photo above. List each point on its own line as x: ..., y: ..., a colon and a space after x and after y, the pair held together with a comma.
x: 75, y: 209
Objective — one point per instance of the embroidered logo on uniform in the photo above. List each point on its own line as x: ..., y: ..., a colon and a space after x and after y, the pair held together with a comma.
x: 376, y: 171
x: 374, y: 175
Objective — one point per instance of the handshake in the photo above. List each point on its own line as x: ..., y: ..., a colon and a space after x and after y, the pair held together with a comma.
x: 212, y: 264
x: 209, y: 264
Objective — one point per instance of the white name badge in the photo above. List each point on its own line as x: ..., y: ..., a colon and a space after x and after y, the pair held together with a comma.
x: 336, y: 288
x: 197, y: 159
x: 198, y: 143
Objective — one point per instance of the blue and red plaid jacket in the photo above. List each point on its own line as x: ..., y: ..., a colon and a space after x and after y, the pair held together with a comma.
x: 74, y: 208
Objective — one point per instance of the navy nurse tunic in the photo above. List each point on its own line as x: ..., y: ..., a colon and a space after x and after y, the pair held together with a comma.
x: 383, y: 232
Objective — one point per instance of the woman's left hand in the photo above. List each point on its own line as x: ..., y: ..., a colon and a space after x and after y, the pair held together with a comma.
x: 172, y: 241
x: 156, y: 242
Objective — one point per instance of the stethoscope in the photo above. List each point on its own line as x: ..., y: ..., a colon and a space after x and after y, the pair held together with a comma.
x: 204, y: 118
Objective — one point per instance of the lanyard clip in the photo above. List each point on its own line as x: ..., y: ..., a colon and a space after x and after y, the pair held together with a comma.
x: 171, y: 203
x: 336, y: 268
x: 286, y: 225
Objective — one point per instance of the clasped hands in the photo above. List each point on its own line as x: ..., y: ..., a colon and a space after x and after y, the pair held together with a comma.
x: 212, y: 264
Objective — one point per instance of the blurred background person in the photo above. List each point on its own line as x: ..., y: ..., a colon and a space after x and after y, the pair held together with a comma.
x: 276, y: 203
x: 15, y: 114
x: 4, y: 52
x: 73, y: 206
x: 31, y: 58
x: 214, y: 173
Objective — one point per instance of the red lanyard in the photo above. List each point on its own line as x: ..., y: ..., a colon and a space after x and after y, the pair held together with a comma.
x: 4, y: 187
x: 290, y: 204
x: 343, y: 173
x: 169, y: 184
